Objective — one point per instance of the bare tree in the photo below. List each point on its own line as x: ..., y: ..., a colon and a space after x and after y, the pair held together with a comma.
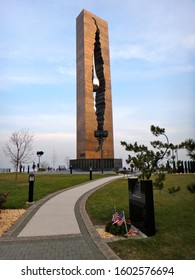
x: 19, y: 149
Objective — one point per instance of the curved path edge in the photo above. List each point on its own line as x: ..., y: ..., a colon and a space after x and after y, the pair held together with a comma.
x: 80, y: 211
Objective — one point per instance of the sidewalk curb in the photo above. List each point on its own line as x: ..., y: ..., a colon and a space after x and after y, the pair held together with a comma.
x: 100, y: 243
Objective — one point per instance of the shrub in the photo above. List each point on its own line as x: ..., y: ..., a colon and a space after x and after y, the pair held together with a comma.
x: 3, y: 198
x: 173, y: 190
x: 191, y: 187
x: 42, y: 169
x: 158, y: 183
x: 117, y: 230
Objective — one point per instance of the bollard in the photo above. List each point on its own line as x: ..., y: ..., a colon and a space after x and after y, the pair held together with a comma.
x: 90, y: 173
x: 31, y: 187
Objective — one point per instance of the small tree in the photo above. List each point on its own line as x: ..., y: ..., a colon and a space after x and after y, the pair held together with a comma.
x: 189, y: 145
x: 19, y: 148
x: 146, y: 160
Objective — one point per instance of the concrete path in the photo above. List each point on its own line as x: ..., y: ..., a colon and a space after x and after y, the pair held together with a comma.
x: 57, y: 215
x: 59, y: 229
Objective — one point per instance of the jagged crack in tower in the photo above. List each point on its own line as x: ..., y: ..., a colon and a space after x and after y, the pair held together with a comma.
x: 94, y: 98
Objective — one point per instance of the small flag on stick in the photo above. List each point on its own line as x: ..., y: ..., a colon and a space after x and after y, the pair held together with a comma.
x: 115, y: 216
x: 121, y: 219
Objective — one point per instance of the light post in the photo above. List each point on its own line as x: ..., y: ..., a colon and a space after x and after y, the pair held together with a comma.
x: 31, y: 180
x: 90, y: 173
x: 39, y: 154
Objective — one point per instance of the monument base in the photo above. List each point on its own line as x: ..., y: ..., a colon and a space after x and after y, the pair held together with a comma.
x: 96, y: 164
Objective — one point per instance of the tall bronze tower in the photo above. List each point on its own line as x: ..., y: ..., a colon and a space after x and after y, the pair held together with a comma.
x: 94, y: 97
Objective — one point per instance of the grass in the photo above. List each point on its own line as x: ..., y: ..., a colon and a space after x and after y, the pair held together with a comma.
x: 44, y: 184
x: 174, y: 219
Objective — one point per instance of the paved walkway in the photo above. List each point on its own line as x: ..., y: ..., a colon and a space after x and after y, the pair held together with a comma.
x: 58, y: 227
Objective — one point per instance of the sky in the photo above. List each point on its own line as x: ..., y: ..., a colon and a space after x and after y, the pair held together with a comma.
x: 152, y: 54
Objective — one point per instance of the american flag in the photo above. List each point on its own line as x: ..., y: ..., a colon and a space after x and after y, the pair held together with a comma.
x: 115, y: 217
x: 121, y: 219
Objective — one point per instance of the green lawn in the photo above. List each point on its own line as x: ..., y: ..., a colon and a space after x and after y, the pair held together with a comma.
x: 44, y: 185
x: 174, y: 218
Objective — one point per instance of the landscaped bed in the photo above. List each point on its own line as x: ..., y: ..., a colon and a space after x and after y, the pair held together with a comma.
x: 174, y: 219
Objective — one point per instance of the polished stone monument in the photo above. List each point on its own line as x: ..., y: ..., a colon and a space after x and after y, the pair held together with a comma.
x: 141, y: 205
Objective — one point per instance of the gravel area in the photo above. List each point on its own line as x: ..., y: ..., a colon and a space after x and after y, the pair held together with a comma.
x: 105, y: 234
x: 8, y: 218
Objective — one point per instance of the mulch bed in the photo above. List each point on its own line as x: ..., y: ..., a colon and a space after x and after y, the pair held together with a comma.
x: 8, y: 217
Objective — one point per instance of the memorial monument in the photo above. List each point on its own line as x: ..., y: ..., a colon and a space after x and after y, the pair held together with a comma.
x: 141, y: 205
x: 95, y: 147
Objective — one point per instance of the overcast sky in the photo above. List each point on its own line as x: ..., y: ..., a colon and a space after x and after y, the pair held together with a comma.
x: 152, y: 47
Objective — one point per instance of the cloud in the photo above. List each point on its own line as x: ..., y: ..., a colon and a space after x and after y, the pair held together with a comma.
x: 166, y: 51
x: 64, y: 70
x: 56, y: 75
x: 129, y: 52
x: 159, y: 35
x: 189, y: 42
x: 63, y: 144
x: 27, y: 80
